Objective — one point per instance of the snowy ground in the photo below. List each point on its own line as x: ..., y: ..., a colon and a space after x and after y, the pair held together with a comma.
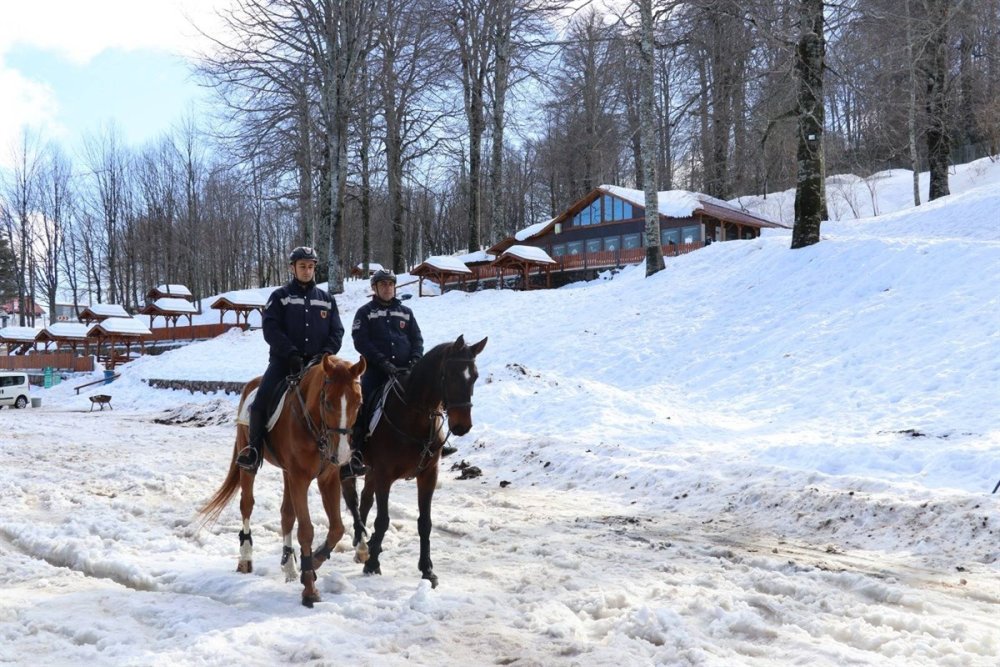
x: 757, y: 457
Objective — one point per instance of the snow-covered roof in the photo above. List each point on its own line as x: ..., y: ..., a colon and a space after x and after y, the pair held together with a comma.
x: 530, y: 230
x: 671, y: 203
x: 476, y: 257
x: 174, y: 305
x: 67, y: 330
x: 122, y: 326
x: 447, y: 263
x: 19, y: 334
x: 173, y: 290
x: 107, y: 310
x: 372, y: 266
x: 530, y: 253
x: 251, y: 298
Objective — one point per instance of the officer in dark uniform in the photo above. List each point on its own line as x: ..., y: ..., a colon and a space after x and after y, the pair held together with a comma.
x: 386, y: 333
x: 300, y: 323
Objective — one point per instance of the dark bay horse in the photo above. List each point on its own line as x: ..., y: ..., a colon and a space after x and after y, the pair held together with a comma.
x: 314, y: 425
x: 419, y: 411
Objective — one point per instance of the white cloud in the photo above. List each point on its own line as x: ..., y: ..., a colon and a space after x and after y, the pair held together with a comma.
x: 26, y: 104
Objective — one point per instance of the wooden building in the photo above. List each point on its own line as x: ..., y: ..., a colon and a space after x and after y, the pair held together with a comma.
x: 170, y: 309
x: 606, y: 229
x: 117, y: 333
x: 169, y: 292
x: 240, y: 302
x: 102, y: 311
x: 441, y: 270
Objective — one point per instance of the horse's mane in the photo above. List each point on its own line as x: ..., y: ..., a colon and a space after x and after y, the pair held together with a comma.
x: 427, y: 372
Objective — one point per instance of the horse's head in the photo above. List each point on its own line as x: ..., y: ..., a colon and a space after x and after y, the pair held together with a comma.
x: 341, y: 393
x: 458, y: 379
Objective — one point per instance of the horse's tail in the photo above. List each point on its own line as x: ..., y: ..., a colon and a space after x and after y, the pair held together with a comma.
x: 213, y: 508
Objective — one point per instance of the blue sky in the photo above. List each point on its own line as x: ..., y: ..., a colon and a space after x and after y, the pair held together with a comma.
x: 70, y: 68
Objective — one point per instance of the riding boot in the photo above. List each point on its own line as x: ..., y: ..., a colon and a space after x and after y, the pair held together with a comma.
x: 249, y: 457
x: 448, y: 450
x: 355, y: 466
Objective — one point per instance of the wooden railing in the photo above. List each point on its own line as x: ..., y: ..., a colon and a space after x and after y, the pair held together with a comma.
x: 59, y: 360
x: 192, y: 332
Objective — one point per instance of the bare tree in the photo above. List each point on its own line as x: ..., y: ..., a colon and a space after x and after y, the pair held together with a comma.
x: 56, y: 208
x: 810, y: 191
x: 18, y: 215
x: 647, y: 94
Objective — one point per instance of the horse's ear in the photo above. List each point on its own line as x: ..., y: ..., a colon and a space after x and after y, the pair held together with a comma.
x: 459, y: 342
x: 327, y: 363
x: 478, y: 347
x: 359, y: 368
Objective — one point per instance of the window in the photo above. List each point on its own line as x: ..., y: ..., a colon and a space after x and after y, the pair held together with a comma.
x: 595, y: 212
x: 574, y: 247
x: 630, y: 241
x: 668, y: 236
x: 558, y: 228
x: 558, y: 250
x: 626, y: 211
x: 612, y: 242
x: 593, y: 245
x: 691, y: 234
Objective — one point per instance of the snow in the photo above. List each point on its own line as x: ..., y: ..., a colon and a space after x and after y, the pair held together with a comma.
x: 128, y: 326
x: 530, y: 230
x: 174, y: 305
x: 757, y: 456
x: 476, y: 257
x: 107, y: 310
x: 248, y: 297
x: 447, y: 263
x: 173, y: 290
x: 67, y: 330
x: 529, y: 253
x: 19, y: 334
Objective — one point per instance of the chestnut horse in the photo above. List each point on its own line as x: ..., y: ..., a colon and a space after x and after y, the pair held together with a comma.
x: 407, y: 443
x: 313, y: 426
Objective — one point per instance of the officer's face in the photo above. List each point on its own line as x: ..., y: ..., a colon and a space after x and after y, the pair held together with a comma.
x: 304, y: 270
x: 386, y: 289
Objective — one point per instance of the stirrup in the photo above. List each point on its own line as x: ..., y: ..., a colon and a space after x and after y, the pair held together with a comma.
x: 248, y: 459
x: 353, y: 468
x: 448, y: 450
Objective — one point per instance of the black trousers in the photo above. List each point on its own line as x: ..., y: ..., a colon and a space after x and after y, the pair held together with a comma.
x: 275, y: 373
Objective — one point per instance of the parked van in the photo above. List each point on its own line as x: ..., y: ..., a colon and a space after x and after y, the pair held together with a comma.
x: 14, y: 389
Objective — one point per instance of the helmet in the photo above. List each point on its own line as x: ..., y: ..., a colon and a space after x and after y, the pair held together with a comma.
x: 303, y: 252
x: 382, y: 274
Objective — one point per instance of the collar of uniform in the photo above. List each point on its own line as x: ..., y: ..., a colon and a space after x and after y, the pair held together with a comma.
x: 385, y: 304
x: 295, y: 286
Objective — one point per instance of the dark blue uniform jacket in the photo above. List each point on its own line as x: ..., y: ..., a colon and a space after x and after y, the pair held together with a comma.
x: 303, y: 320
x: 387, y: 331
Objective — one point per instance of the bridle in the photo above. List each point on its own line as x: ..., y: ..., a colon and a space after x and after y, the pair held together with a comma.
x: 321, y: 434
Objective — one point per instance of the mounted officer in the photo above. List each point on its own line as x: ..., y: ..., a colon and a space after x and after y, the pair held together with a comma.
x: 387, y: 334
x: 301, y: 324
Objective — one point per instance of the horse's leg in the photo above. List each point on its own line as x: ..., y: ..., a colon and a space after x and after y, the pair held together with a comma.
x: 372, y: 565
x: 298, y: 489
x: 350, y: 493
x: 289, y: 562
x: 426, y: 481
x: 329, y: 489
x: 246, y: 509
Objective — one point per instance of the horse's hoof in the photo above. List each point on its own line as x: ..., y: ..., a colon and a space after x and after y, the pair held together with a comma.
x: 245, y: 566
x: 372, y: 570
x: 309, y: 600
x: 431, y: 577
x: 361, y: 553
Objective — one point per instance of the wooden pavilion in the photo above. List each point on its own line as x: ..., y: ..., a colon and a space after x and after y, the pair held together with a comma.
x: 102, y: 311
x: 359, y: 270
x: 66, y: 334
x: 19, y: 340
x: 117, y: 332
x: 170, y: 309
x: 441, y: 269
x: 522, y: 260
x: 241, y: 302
x: 169, y: 292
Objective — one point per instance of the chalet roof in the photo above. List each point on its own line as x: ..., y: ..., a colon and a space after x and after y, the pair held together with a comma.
x: 65, y: 331
x: 248, y: 298
x: 19, y: 334
x: 99, y: 311
x: 372, y: 266
x: 14, y: 306
x: 477, y: 257
x: 169, y: 291
x: 440, y: 263
x: 169, y: 306
x: 120, y: 326
x: 526, y: 253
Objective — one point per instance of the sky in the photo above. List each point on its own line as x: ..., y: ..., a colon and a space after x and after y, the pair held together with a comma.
x: 70, y: 68
x: 757, y: 457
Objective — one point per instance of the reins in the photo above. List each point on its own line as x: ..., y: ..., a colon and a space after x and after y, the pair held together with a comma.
x: 321, y: 435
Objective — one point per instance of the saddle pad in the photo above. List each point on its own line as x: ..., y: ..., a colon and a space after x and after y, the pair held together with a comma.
x: 243, y: 415
x: 383, y: 394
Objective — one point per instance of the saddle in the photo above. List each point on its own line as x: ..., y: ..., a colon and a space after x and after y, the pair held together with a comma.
x: 376, y: 414
x: 273, y: 409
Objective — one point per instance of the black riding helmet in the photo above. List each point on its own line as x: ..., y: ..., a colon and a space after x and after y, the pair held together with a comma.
x: 382, y: 274
x: 303, y: 252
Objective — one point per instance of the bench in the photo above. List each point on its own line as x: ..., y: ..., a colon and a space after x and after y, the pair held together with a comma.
x: 101, y: 400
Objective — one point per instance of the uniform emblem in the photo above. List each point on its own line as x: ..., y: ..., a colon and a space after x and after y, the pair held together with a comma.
x: 322, y: 314
x: 402, y: 324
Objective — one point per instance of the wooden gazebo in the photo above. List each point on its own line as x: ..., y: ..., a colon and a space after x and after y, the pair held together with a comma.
x: 522, y: 259
x: 359, y: 270
x: 117, y: 331
x: 101, y: 311
x: 170, y: 309
x: 66, y: 334
x: 241, y: 302
x: 19, y: 340
x: 169, y: 292
x: 441, y: 269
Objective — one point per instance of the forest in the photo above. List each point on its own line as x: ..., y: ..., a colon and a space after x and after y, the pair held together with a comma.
x: 388, y: 131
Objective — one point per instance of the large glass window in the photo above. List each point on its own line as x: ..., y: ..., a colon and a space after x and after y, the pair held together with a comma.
x: 668, y: 236
x: 593, y: 245
x: 574, y: 247
x: 612, y: 242
x: 558, y: 250
x: 626, y: 211
x: 691, y: 234
x: 630, y: 241
x: 595, y: 212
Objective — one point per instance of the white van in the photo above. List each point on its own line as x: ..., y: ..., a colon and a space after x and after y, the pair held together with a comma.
x: 14, y: 389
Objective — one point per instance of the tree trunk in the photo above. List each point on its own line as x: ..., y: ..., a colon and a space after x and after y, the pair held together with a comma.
x: 810, y: 191
x: 647, y: 118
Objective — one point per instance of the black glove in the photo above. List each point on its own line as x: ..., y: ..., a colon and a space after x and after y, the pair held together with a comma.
x: 388, y: 368
x: 413, y: 362
x: 294, y: 364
